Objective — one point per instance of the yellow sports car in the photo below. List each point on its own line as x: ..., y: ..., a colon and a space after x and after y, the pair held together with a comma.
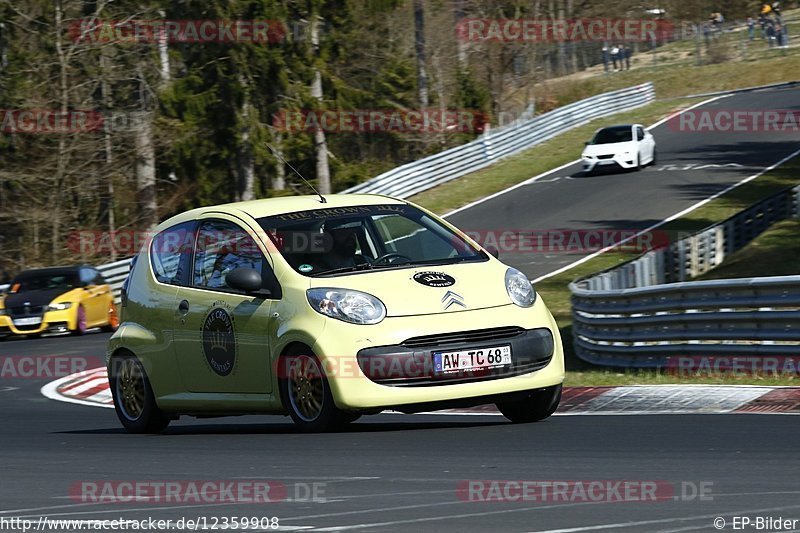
x: 325, y: 309
x: 57, y: 300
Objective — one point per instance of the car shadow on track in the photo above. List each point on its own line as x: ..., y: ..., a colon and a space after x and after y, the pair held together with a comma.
x: 289, y: 428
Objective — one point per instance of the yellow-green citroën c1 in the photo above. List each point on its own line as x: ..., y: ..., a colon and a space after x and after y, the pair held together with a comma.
x: 326, y: 309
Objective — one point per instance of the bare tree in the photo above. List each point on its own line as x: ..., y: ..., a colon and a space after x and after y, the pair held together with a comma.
x: 419, y: 37
x: 320, y: 142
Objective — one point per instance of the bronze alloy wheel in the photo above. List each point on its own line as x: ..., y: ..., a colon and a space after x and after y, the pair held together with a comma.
x: 133, y: 396
x: 306, y: 395
x: 306, y: 388
x: 131, y: 388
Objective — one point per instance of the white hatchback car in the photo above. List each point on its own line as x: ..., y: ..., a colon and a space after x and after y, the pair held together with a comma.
x: 628, y: 146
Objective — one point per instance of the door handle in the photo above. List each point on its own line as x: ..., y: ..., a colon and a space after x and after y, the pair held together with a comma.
x: 183, y: 307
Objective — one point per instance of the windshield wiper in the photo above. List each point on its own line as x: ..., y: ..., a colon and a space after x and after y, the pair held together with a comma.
x: 342, y: 270
x: 447, y: 261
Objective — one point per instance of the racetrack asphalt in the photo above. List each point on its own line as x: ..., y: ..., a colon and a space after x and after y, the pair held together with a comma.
x: 393, y: 472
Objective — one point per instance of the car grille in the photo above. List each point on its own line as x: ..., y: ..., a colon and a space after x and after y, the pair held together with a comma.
x: 605, y: 156
x: 465, y: 337
x: 26, y: 311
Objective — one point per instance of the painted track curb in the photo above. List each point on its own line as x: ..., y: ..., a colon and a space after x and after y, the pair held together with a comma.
x: 91, y: 388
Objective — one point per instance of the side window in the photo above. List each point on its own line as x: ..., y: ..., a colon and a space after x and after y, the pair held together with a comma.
x: 170, y: 252
x: 87, y: 276
x: 222, y: 247
x: 640, y: 134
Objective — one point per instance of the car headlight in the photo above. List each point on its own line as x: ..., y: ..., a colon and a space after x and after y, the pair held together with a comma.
x: 59, y: 307
x: 519, y: 288
x: 349, y: 306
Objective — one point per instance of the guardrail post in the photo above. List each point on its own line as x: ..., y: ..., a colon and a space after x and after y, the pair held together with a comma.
x: 719, y: 245
x: 796, y: 203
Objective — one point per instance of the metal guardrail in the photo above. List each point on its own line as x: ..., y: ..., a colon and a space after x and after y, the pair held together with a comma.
x: 644, y: 327
x: 643, y: 312
x: 114, y: 274
x: 412, y: 178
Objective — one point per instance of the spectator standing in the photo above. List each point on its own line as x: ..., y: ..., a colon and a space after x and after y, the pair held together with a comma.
x: 751, y: 28
x: 770, y: 33
x: 605, y: 56
x: 626, y: 56
x: 781, y: 39
x: 615, y: 57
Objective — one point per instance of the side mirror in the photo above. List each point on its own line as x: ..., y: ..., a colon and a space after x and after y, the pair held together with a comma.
x: 247, y: 280
x: 492, y: 250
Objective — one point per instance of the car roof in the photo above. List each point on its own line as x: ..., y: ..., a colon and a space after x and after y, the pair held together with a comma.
x: 286, y: 204
x: 52, y: 271
x: 619, y: 127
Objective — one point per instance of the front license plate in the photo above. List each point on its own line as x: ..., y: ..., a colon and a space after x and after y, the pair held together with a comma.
x: 30, y: 321
x: 606, y: 162
x: 480, y: 358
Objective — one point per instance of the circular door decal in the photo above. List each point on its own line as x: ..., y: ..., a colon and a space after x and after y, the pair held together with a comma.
x: 219, y: 341
x: 434, y: 279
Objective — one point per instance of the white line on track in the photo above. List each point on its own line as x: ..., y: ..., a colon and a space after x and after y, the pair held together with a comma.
x: 568, y: 530
x: 619, y: 525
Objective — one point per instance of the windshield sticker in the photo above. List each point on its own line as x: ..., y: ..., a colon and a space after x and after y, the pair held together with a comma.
x: 434, y: 279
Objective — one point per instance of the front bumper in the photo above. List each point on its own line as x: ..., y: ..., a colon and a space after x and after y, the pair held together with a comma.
x: 52, y: 322
x: 537, y: 356
x: 617, y: 162
x: 411, y: 364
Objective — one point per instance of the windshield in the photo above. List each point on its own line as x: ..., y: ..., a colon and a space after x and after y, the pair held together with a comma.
x: 351, y: 239
x: 617, y: 134
x: 44, y: 282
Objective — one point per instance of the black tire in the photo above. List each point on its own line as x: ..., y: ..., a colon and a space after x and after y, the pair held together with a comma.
x: 638, y: 162
x: 538, y: 405
x: 655, y: 157
x: 307, y: 396
x: 134, y: 401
